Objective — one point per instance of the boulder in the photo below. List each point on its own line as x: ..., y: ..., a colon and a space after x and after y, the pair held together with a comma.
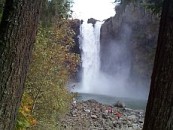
x: 93, y: 116
x: 92, y: 21
x: 132, y: 118
x: 119, y: 104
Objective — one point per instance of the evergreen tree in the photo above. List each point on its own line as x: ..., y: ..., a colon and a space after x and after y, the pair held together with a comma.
x: 17, y: 36
x: 159, y: 112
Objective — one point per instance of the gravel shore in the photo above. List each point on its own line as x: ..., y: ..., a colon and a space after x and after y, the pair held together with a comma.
x: 92, y: 115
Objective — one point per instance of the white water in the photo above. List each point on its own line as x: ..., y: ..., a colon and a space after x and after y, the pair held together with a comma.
x: 90, y: 46
x: 93, y: 80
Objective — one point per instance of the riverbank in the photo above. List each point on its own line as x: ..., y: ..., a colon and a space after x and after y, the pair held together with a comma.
x: 133, y: 103
x: 92, y: 115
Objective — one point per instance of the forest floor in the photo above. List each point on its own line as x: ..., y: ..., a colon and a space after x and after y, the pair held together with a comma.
x: 92, y: 115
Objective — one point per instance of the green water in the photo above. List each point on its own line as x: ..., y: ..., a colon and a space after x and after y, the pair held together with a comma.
x: 129, y: 102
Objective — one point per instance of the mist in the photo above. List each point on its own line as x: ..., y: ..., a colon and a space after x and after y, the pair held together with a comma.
x: 112, y: 75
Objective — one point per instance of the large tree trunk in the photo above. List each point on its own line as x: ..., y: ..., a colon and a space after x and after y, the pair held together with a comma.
x: 159, y: 112
x: 17, y: 36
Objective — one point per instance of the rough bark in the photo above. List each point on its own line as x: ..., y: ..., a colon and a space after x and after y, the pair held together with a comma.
x: 17, y: 36
x: 159, y: 112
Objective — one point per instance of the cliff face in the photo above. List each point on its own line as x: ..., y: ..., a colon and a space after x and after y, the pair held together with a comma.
x: 75, y: 26
x: 128, y: 42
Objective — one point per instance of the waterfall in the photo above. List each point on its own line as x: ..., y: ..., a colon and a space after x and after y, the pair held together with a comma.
x: 96, y: 81
x: 90, y: 46
x: 93, y: 80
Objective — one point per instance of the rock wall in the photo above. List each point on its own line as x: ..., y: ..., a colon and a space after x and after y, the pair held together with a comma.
x: 133, y: 30
x: 75, y: 26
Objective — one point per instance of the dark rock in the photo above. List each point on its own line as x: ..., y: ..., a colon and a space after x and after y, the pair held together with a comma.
x: 81, y: 21
x: 92, y: 21
x: 137, y: 29
x: 75, y: 25
x: 105, y: 116
x: 119, y: 104
x: 91, y: 101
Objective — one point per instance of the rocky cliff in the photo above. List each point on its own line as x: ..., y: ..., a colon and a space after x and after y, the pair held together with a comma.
x: 128, y: 42
x: 75, y: 26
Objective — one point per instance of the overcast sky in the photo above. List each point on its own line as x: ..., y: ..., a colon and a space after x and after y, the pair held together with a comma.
x: 98, y: 9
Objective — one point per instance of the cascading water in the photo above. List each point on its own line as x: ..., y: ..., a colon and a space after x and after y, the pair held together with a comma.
x: 90, y: 46
x: 97, y: 81
x: 109, y: 77
x: 93, y: 80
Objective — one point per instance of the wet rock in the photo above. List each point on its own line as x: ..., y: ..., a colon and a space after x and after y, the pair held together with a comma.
x: 130, y: 22
x: 119, y: 104
x: 92, y: 20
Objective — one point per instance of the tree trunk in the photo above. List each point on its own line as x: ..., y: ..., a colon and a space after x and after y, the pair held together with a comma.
x: 17, y: 36
x: 159, y: 112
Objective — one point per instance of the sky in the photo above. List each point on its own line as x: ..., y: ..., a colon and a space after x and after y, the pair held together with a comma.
x: 98, y: 9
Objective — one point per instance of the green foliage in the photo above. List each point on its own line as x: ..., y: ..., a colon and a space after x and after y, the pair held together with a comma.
x: 46, y: 98
x: 154, y: 5
x: 124, y: 3
x: 25, y: 118
x: 55, y: 10
x: 50, y: 69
